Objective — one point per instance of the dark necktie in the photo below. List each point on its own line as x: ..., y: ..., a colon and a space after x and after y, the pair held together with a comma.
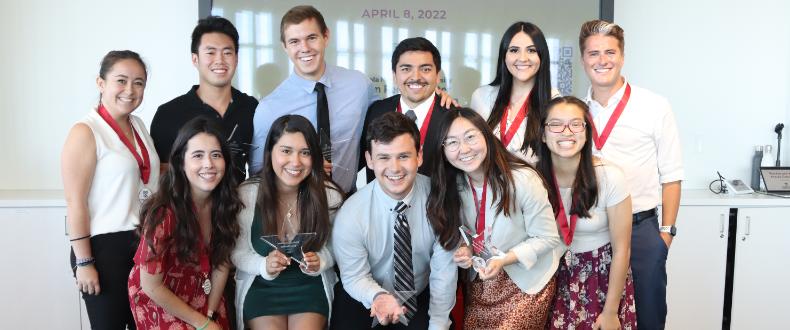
x: 322, y: 114
x: 404, y: 271
x: 411, y: 115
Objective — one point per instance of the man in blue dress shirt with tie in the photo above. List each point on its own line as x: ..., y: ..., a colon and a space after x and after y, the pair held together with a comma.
x: 384, y: 244
x: 348, y: 93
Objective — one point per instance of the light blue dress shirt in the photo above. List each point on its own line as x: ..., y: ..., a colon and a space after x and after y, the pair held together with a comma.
x: 348, y: 92
x: 362, y: 239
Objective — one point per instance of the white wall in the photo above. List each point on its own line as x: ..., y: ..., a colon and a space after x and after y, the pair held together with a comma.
x: 725, y: 68
x: 52, y: 50
x: 722, y: 64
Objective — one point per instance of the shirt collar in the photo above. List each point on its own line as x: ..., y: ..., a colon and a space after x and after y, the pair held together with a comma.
x: 421, y: 110
x: 390, y: 202
x: 613, y: 100
x: 309, y: 85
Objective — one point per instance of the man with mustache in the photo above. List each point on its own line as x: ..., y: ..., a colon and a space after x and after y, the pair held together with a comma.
x: 416, y: 67
x: 215, y: 49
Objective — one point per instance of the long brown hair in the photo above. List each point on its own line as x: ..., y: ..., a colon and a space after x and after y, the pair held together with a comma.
x: 444, y: 204
x: 175, y: 197
x: 311, y: 201
x: 585, y: 185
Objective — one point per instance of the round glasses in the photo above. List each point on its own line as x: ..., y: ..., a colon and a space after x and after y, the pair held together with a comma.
x: 453, y: 144
x: 576, y: 126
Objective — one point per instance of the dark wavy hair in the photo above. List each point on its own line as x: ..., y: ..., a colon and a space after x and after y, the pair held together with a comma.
x: 541, y: 91
x: 311, y: 201
x: 175, y: 198
x: 444, y: 204
x: 585, y: 185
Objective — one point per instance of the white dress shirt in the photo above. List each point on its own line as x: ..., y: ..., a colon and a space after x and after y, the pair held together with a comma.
x: 421, y: 110
x: 362, y: 239
x: 482, y: 102
x: 644, y: 143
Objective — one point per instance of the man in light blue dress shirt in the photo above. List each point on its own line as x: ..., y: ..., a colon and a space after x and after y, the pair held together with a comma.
x: 363, y: 238
x: 305, y: 36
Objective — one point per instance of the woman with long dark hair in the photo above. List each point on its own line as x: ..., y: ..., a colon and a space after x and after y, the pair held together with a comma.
x: 109, y: 166
x: 593, y: 211
x: 511, y: 104
x: 187, y: 234
x: 291, y: 196
x: 502, y: 200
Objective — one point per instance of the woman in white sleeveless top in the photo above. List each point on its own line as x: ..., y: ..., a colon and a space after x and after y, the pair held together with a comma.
x: 109, y: 166
x: 511, y: 104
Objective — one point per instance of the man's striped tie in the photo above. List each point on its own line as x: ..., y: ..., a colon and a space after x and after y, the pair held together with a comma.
x: 404, y: 271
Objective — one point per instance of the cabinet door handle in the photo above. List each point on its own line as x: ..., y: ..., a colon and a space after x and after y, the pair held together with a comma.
x: 721, y: 225
x: 747, y: 230
x: 66, y: 225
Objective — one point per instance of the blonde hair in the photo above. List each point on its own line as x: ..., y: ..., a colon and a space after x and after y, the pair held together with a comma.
x: 601, y: 27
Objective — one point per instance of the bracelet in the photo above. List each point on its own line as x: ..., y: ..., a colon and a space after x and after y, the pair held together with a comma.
x: 81, y: 238
x: 203, y: 327
x: 212, y: 315
x: 82, y: 262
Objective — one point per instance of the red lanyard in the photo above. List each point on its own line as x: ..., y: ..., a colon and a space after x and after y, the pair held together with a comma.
x: 601, y: 140
x: 480, y: 205
x: 424, y: 128
x: 562, y: 219
x: 505, y: 134
x: 144, y: 164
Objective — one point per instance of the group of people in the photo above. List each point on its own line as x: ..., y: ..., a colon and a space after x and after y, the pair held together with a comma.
x: 528, y: 210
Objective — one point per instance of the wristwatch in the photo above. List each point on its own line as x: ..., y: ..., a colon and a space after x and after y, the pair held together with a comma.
x: 672, y: 230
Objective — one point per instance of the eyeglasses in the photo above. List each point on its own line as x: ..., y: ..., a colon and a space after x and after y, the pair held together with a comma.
x: 453, y: 144
x: 576, y: 126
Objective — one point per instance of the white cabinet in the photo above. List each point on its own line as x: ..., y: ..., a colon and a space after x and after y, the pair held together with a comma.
x: 696, y: 268
x: 760, y: 280
x: 37, y: 286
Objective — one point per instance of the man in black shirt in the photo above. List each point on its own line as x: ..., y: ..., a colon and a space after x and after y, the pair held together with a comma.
x: 215, y: 48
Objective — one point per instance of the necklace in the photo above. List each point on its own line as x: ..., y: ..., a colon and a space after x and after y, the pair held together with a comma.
x: 290, y: 231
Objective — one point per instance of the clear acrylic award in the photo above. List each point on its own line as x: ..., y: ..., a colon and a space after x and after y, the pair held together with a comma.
x: 292, y: 248
x: 482, y: 252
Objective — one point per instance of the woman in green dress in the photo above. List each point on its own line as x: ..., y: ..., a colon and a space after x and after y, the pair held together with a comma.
x: 282, y: 288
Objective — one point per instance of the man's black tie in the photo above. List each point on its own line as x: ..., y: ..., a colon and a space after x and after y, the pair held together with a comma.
x: 322, y: 114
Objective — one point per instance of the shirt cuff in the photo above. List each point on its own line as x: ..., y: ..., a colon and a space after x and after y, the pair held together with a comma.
x: 525, y: 255
x: 262, y: 271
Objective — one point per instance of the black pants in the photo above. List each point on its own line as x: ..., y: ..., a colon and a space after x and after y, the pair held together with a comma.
x: 347, y: 313
x: 114, y: 253
x: 649, y: 267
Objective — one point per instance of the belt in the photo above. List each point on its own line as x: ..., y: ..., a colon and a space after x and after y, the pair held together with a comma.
x: 639, y: 216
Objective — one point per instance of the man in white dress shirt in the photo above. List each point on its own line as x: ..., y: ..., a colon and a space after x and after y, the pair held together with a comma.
x: 365, y: 240
x: 636, y: 130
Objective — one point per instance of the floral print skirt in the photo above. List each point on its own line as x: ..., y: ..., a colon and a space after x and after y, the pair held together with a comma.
x: 582, y: 284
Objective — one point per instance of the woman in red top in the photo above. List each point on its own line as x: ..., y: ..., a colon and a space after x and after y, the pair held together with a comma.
x: 188, y: 231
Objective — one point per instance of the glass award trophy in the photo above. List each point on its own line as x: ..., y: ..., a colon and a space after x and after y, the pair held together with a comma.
x: 481, y: 251
x: 292, y: 248
x: 401, y: 297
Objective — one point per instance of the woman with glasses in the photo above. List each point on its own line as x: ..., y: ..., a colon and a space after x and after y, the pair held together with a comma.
x: 511, y: 103
x: 512, y: 239
x: 593, y: 211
